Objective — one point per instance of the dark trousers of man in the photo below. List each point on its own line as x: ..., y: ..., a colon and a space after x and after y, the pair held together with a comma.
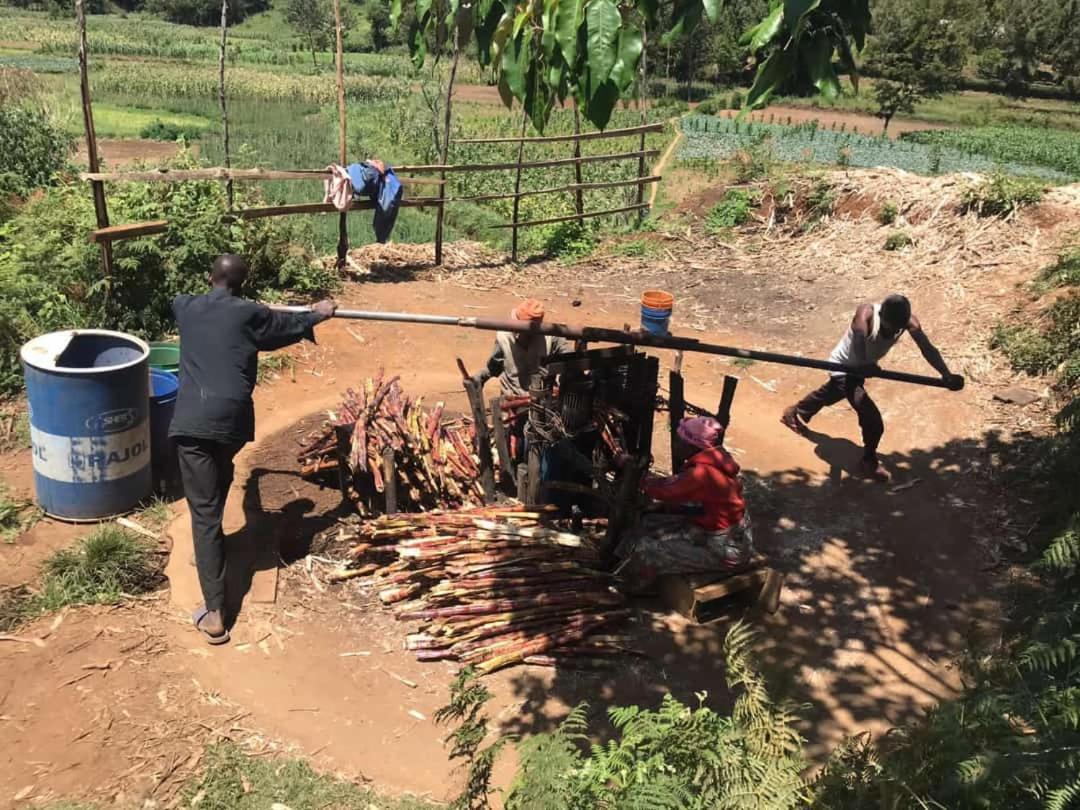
x: 853, y: 389
x: 206, y: 469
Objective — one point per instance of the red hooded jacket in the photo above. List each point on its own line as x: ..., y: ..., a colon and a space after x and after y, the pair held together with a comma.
x: 709, y: 478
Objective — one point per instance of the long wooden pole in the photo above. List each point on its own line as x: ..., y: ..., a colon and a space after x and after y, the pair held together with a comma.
x: 101, y: 211
x: 598, y: 334
x: 343, y: 144
x: 517, y: 189
x: 221, y: 98
x: 444, y: 154
x: 579, y: 196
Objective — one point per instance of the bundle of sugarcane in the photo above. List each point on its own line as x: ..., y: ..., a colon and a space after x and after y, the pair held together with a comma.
x: 434, y: 464
x: 493, y: 587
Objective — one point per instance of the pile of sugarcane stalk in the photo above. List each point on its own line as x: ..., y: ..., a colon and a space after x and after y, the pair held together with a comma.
x: 434, y: 461
x: 491, y: 587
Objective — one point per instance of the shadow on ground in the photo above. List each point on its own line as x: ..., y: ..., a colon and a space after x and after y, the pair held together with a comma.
x: 886, y: 587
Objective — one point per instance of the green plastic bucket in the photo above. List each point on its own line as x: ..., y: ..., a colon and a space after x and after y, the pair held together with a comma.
x: 165, y: 357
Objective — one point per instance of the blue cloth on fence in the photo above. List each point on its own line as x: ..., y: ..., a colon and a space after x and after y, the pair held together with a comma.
x: 382, y: 189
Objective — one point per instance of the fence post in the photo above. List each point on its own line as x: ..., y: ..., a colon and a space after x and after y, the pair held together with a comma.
x: 221, y: 99
x: 579, y: 196
x: 101, y: 212
x: 445, y: 155
x: 517, y: 188
x: 642, y: 102
x: 343, y: 220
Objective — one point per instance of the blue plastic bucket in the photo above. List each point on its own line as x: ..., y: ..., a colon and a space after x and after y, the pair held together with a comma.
x: 163, y: 390
x: 655, y: 321
x: 87, y: 392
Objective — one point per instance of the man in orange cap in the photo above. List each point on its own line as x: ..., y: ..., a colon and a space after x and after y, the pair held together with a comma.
x: 517, y: 355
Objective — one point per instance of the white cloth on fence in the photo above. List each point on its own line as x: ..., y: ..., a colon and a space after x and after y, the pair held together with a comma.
x: 338, y: 188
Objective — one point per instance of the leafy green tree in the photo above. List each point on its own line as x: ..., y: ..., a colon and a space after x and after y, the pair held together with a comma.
x: 382, y: 34
x: 919, y: 53
x: 204, y: 12
x: 550, y: 51
x: 314, y: 21
x: 32, y: 149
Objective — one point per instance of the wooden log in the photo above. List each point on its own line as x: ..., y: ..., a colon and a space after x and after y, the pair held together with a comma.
x: 445, y: 153
x: 502, y: 441
x: 552, y: 220
x: 579, y: 197
x: 221, y: 98
x: 345, y: 477
x: 343, y: 144
x: 723, y: 411
x: 390, y: 490
x: 101, y: 211
x: 517, y: 189
x: 676, y: 413
x: 116, y: 233
x: 291, y: 209
x: 577, y: 136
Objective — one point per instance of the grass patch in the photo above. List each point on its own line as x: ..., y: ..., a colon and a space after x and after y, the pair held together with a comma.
x: 155, y: 515
x: 1065, y: 272
x: 115, y: 121
x: 888, y: 213
x: 636, y: 249
x: 570, y: 240
x: 234, y: 781
x: 898, y: 240
x: 1053, y: 346
x: 14, y: 429
x: 101, y: 569
x: 272, y: 366
x: 15, y: 516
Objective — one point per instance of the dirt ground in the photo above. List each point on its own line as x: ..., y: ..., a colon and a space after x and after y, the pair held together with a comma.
x: 885, y: 584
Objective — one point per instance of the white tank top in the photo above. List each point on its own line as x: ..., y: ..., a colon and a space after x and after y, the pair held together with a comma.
x: 876, y: 345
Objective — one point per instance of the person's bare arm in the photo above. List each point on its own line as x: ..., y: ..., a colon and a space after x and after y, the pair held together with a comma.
x: 929, y: 351
x: 860, y: 330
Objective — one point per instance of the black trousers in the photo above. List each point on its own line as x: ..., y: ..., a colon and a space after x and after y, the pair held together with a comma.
x: 206, y: 469
x: 853, y: 389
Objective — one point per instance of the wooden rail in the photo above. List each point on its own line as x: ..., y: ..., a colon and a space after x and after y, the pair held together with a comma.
x: 115, y: 233
x: 585, y: 136
x: 576, y: 187
x: 533, y: 164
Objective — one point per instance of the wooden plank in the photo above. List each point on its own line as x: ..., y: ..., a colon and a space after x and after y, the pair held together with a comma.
x: 586, y: 215
x: 586, y: 136
x: 676, y: 413
x: 116, y: 233
x: 723, y: 411
x: 390, y: 481
x: 165, y: 175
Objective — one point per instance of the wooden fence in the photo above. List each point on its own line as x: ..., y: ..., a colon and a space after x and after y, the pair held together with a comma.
x: 106, y: 234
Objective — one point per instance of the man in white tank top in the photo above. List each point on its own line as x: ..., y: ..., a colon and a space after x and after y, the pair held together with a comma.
x: 874, y: 330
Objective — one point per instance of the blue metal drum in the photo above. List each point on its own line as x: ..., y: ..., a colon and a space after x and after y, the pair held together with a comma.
x: 88, y: 394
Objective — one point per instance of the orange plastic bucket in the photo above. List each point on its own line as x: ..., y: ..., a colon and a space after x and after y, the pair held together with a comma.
x: 657, y: 299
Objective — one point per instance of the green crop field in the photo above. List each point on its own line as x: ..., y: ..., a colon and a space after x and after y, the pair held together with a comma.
x: 709, y: 138
x: 1055, y: 149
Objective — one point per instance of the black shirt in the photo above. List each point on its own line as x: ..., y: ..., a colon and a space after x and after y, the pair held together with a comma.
x: 221, y: 336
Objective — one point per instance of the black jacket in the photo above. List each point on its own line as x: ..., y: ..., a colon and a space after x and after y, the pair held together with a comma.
x: 221, y: 336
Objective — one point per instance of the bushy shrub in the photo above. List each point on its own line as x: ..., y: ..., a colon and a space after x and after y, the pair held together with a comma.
x: 733, y: 210
x: 888, y: 213
x: 52, y: 275
x: 1000, y: 195
x: 32, y: 149
x: 570, y: 240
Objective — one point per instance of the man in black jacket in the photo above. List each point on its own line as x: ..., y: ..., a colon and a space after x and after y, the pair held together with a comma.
x: 222, y: 334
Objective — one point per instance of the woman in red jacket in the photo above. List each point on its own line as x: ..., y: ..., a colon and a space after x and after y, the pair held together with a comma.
x: 705, y: 527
